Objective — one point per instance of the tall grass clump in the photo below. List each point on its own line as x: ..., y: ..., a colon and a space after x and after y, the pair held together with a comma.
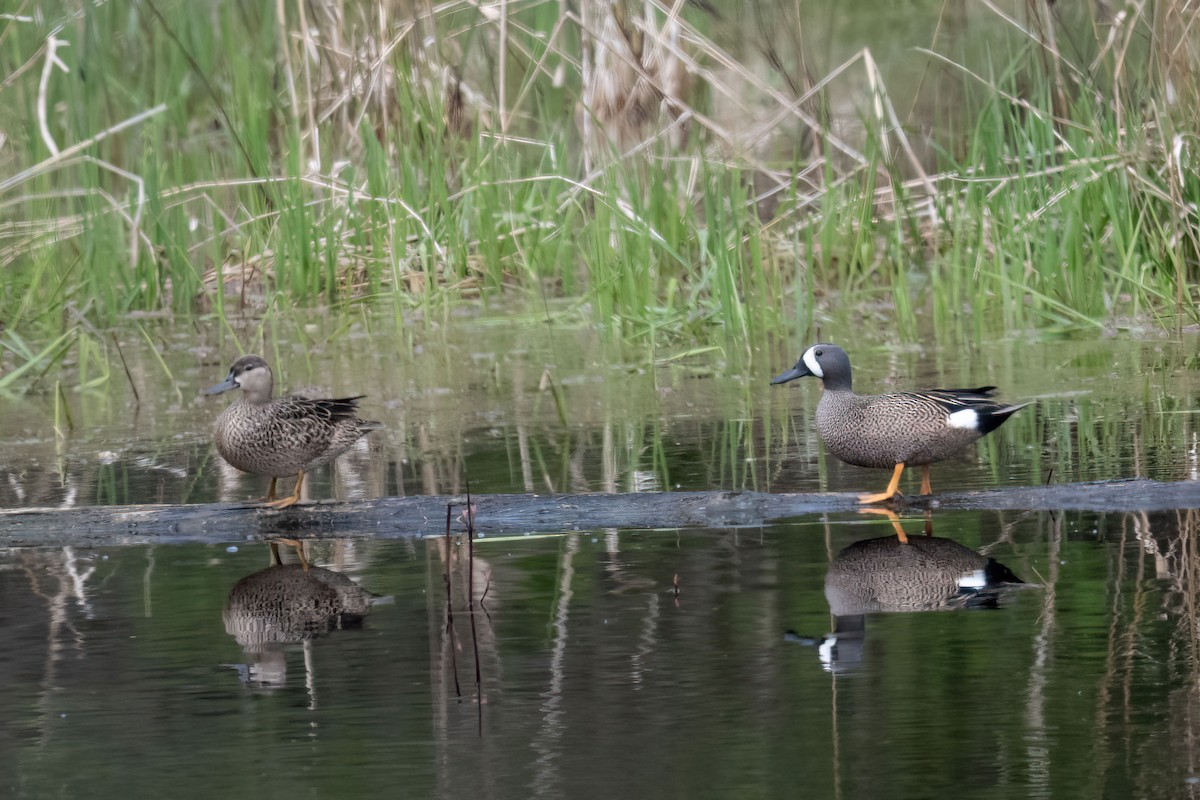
x: 685, y: 173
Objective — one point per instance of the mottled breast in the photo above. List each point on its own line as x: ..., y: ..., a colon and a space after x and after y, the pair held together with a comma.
x: 259, y: 440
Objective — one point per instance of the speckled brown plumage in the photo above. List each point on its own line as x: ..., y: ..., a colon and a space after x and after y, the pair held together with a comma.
x: 910, y: 428
x: 896, y: 430
x: 885, y: 575
x: 288, y: 603
x: 926, y: 574
x: 286, y: 436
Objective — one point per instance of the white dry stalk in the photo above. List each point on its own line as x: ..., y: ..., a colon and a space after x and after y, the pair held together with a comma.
x: 788, y: 110
x: 585, y: 75
x: 1185, y: 210
x: 376, y: 68
x: 550, y: 49
x: 1177, y: 157
x: 708, y: 47
x: 336, y: 189
x: 707, y: 122
x: 1017, y: 101
x: 12, y: 77
x: 135, y: 221
x: 61, y: 158
x: 577, y: 186
x: 1066, y: 191
x: 1114, y: 29
x: 623, y: 206
x: 289, y: 72
x: 523, y: 49
x: 897, y: 129
x: 876, y: 85
x: 633, y: 151
x: 1119, y: 69
x: 308, y: 53
x: 1149, y: 187
x: 660, y: 44
x: 502, y: 57
x: 1035, y: 39
x: 57, y: 159
x: 52, y: 61
x: 693, y: 67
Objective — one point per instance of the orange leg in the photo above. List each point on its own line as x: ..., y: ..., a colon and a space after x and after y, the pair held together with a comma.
x: 271, y: 491
x: 891, y: 515
x: 926, y: 486
x: 298, y: 545
x: 888, y: 493
x: 293, y: 498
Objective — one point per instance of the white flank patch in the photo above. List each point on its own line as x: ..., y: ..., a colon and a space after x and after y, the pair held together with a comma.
x: 827, y: 652
x: 810, y: 361
x: 975, y: 580
x: 967, y: 418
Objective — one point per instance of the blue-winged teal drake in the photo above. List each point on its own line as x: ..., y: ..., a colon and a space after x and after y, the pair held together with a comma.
x: 892, y: 431
x: 928, y: 574
x: 283, y: 437
x: 933, y: 573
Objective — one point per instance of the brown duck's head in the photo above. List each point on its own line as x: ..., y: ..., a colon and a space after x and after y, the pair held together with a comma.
x: 250, y: 374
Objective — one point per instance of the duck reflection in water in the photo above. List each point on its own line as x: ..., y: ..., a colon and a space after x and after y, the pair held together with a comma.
x: 289, y: 604
x: 926, y: 573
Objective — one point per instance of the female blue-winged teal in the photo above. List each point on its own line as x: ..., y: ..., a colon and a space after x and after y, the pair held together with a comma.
x: 283, y: 437
x: 289, y: 604
x: 894, y: 430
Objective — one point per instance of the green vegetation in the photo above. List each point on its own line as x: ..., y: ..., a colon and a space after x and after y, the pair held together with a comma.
x: 174, y: 157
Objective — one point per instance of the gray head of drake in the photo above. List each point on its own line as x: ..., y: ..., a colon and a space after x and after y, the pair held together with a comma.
x: 825, y: 361
x: 250, y: 374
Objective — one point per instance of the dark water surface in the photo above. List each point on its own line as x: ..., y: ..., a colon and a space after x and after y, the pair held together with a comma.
x: 121, y: 677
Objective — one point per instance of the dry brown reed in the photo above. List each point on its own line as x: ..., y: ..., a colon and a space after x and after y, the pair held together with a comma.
x: 646, y: 83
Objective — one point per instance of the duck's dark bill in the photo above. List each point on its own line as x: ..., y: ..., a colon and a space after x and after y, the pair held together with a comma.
x: 798, y: 371
x: 223, y: 386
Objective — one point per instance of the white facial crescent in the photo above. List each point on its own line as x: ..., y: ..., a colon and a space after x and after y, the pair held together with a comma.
x: 810, y: 361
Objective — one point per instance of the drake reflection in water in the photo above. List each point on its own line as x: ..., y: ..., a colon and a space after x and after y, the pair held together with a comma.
x: 886, y: 575
x: 289, y: 604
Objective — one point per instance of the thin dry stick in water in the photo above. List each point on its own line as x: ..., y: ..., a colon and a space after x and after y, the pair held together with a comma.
x: 450, y: 607
x: 470, y: 514
x: 137, y: 400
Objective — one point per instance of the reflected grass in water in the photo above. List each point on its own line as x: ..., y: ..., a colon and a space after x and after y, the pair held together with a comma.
x: 474, y: 403
x: 597, y: 677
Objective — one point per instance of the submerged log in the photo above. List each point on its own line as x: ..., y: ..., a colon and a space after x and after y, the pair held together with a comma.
x: 506, y: 514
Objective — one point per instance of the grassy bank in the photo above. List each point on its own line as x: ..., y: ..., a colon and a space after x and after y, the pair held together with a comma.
x: 191, y: 159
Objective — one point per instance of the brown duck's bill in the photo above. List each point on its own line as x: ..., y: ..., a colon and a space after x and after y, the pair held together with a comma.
x: 798, y: 371
x: 223, y: 386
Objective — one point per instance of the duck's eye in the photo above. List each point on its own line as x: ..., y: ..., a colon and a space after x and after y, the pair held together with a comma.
x: 819, y: 353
